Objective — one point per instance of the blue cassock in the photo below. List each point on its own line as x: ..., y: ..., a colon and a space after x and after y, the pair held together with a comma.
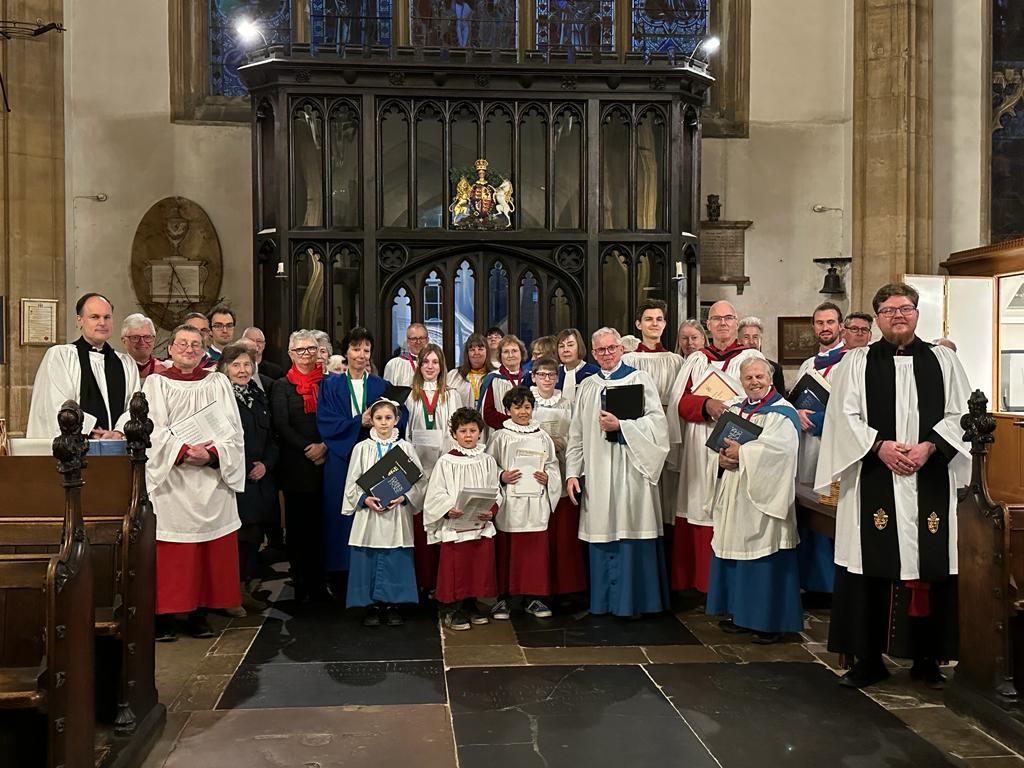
x: 341, y: 430
x: 588, y: 369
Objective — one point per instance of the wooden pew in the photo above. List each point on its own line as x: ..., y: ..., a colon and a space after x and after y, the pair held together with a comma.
x: 121, y: 529
x: 46, y: 636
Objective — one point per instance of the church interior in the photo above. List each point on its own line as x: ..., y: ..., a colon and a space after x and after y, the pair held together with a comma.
x: 308, y: 164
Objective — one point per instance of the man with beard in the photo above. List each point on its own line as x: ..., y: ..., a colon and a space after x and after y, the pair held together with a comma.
x: 892, y: 439
x: 691, y: 535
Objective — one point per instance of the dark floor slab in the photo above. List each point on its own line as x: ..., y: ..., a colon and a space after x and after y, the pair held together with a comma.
x: 259, y: 686
x: 329, y: 738
x: 784, y: 713
x: 575, y: 630
x: 522, y: 717
x: 324, y: 632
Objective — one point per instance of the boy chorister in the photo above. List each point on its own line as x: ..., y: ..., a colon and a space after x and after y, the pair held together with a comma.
x: 466, y: 572
x: 553, y: 412
x: 381, y: 571
x: 524, y: 556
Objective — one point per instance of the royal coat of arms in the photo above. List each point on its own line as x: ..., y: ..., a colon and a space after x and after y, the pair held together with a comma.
x: 485, y: 203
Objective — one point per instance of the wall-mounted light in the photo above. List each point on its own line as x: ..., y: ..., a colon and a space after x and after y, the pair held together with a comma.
x: 708, y: 45
x: 819, y: 208
x: 249, y: 30
x: 833, y: 280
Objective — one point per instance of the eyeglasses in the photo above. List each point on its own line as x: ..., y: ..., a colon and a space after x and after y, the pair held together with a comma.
x: 606, y: 350
x: 183, y: 345
x: 906, y: 310
x: 223, y: 326
x: 140, y: 339
x: 416, y: 338
x: 857, y: 329
x: 305, y: 350
x: 545, y: 375
x: 722, y: 318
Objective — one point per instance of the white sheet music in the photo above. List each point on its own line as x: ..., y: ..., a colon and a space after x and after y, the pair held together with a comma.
x: 208, y: 423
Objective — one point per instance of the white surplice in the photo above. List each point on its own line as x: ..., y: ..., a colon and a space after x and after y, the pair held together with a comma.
x: 399, y: 371
x: 451, y: 474
x: 521, y: 514
x: 753, y: 507
x: 554, y: 414
x: 59, y: 378
x: 193, y: 504
x: 620, y: 494
x: 810, y: 445
x: 392, y: 528
x: 468, y: 388
x: 692, y: 490
x: 432, y: 443
x: 847, y: 437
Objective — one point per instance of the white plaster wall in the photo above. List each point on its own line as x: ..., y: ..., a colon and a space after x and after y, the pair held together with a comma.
x: 799, y: 154
x: 120, y: 142
x: 960, y: 106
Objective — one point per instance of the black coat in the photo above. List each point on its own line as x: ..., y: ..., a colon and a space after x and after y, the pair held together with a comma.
x: 271, y: 370
x: 295, y: 430
x: 258, y: 504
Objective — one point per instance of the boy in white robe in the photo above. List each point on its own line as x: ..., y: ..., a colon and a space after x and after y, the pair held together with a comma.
x: 192, y: 487
x: 87, y: 371
x: 467, y: 571
x: 755, y: 577
x: 616, y: 485
x: 524, y: 549
x: 892, y: 439
x: 381, y: 571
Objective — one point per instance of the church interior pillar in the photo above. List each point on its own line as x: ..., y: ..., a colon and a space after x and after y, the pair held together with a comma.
x: 892, y: 142
x: 31, y: 194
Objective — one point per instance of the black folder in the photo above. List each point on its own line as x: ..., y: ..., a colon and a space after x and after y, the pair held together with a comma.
x: 392, y: 461
x: 809, y: 394
x: 625, y: 402
x: 396, y: 394
x: 733, y: 427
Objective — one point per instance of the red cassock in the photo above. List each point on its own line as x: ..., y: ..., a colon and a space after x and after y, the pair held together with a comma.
x: 524, y: 563
x: 466, y: 569
x: 568, y: 569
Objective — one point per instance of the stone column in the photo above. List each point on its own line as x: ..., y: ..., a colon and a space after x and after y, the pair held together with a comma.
x: 892, y: 143
x: 31, y: 193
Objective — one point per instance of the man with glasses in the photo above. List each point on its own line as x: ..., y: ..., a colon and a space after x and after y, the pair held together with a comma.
x: 857, y: 330
x: 198, y: 321
x: 616, y: 486
x: 266, y: 368
x: 87, y: 371
x: 222, y: 330
x: 691, y: 542
x: 195, y: 468
x: 138, y: 335
x: 399, y: 370
x: 892, y: 439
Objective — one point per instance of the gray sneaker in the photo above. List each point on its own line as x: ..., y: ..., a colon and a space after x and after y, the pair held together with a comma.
x: 538, y: 609
x: 456, y: 621
x: 500, y: 611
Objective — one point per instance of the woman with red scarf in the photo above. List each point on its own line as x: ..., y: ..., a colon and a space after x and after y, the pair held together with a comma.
x: 300, y: 469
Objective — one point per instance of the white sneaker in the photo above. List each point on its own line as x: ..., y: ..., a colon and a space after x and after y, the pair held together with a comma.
x: 538, y: 609
x: 500, y: 611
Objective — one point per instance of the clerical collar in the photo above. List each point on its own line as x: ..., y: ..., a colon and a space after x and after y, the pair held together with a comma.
x: 609, y: 374
x: 523, y: 429
x: 547, y: 401
x: 912, y: 347
x: 101, y: 349
x: 378, y: 439
x: 460, y: 451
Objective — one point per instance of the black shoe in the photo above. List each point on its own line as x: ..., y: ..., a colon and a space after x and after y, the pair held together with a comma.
x: 372, y: 616
x: 864, y: 673
x: 164, y: 628
x: 456, y: 620
x: 198, y: 626
x: 927, y: 671
x: 394, y: 618
x: 766, y: 638
x: 726, y: 625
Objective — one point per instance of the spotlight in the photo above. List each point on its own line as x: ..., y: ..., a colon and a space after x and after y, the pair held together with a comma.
x: 708, y: 44
x: 249, y: 30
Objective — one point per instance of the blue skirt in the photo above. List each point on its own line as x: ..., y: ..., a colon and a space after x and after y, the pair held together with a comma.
x: 762, y: 594
x: 816, y: 554
x: 628, y: 577
x: 381, y: 576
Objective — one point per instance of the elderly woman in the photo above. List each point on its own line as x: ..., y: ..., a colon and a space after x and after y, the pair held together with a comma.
x: 138, y: 335
x: 300, y: 469
x: 573, y: 368
x: 512, y: 354
x: 690, y: 337
x: 257, y: 505
x: 326, y: 349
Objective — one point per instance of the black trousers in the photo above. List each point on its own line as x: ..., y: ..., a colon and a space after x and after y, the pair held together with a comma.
x: 304, y: 533
x: 870, y: 617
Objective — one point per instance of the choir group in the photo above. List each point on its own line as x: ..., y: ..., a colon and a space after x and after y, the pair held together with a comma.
x: 520, y: 476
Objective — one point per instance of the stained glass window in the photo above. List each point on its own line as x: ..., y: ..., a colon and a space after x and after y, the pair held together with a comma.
x: 661, y: 26
x: 227, y: 50
x: 576, y: 24
x: 350, y: 22
x: 464, y: 24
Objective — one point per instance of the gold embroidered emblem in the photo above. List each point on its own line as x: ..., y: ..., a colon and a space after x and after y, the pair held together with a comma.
x: 881, y: 519
x: 933, y: 523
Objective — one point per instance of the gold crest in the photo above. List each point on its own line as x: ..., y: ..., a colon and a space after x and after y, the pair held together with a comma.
x: 881, y: 519
x: 933, y: 523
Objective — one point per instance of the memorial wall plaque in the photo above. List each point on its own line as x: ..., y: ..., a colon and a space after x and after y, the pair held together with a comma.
x: 723, y: 252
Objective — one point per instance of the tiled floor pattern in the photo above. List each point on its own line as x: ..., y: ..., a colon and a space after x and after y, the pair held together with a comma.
x: 309, y: 686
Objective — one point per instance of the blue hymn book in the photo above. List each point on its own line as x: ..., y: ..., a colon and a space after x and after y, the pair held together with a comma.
x: 391, y: 487
x: 733, y: 427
